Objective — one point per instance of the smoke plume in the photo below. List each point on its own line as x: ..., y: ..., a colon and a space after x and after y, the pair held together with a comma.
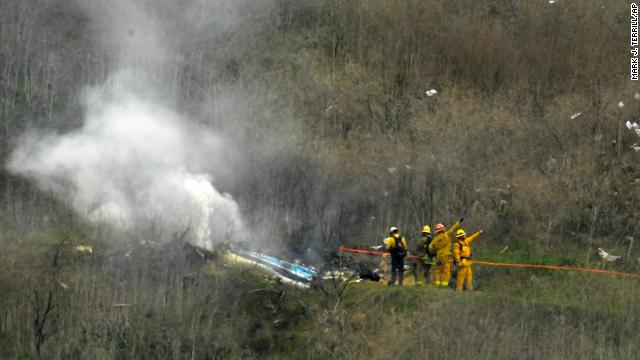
x: 135, y: 161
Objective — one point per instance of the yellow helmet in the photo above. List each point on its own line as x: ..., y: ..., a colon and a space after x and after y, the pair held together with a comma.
x: 460, y: 233
x: 426, y: 229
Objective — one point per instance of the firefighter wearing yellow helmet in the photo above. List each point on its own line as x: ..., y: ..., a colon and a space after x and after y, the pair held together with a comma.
x: 462, y: 257
x: 441, y: 246
x: 422, y: 267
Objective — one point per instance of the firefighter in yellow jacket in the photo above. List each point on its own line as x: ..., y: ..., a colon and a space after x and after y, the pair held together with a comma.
x: 396, y: 245
x: 462, y: 256
x: 441, y: 246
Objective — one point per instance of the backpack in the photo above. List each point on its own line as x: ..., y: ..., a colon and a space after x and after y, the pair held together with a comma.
x: 398, y: 250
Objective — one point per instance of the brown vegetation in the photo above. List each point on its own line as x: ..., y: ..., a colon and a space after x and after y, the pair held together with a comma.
x: 337, y: 141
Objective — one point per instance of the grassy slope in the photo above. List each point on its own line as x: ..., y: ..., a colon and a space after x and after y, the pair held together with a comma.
x: 528, y: 313
x: 180, y: 311
x: 555, y: 316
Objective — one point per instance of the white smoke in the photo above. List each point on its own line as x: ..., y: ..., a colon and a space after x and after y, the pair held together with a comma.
x: 133, y: 161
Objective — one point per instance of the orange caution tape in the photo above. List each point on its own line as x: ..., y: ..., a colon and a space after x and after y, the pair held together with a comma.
x: 491, y: 263
x: 370, y: 252
x: 555, y: 267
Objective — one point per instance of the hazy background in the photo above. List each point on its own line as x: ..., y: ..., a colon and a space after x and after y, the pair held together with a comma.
x: 313, y: 116
x: 293, y: 127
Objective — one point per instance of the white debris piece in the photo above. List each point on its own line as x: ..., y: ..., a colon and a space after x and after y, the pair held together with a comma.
x: 575, y: 115
x: 620, y: 104
x: 635, y: 147
x: 407, y: 166
x: 636, y: 96
x: 605, y: 256
x: 552, y: 1
x: 84, y: 249
x: 392, y: 170
x: 431, y: 92
x: 377, y: 247
x: 64, y: 286
x: 631, y: 125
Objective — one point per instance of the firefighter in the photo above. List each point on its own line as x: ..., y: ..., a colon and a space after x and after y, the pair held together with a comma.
x: 462, y: 256
x: 422, y: 268
x: 396, y: 245
x: 441, y: 246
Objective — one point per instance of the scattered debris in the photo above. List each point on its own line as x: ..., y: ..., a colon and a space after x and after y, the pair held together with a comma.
x: 295, y: 274
x: 431, y: 92
x: 368, y: 274
x: 633, y: 126
x: 606, y: 257
x: 574, y: 116
x: 505, y: 249
x: 620, y: 104
x: 84, y: 249
x: 635, y: 147
x: 339, y: 275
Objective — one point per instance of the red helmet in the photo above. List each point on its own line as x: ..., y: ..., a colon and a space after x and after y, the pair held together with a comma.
x: 440, y: 227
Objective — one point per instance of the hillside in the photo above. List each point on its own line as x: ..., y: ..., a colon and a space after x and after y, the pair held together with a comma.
x: 294, y: 127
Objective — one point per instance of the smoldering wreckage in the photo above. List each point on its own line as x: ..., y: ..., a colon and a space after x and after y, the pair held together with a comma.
x: 346, y: 265
x: 342, y: 267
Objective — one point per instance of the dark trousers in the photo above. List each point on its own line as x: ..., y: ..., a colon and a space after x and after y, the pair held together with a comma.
x: 420, y: 269
x: 427, y: 273
x: 397, y: 267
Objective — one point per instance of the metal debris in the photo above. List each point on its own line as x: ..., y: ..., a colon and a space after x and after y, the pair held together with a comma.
x: 606, y: 256
x: 84, y: 249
